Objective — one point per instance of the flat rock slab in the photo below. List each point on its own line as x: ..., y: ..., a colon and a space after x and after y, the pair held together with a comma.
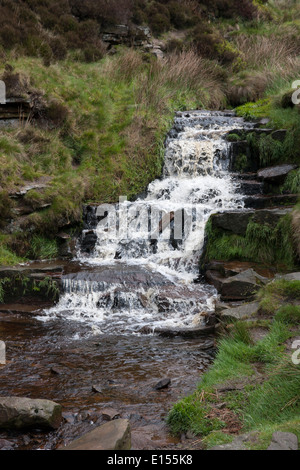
x: 114, y: 435
x: 283, y: 441
x: 275, y: 173
x: 240, y: 313
x: 237, y: 221
x: 185, y: 332
x: 19, y: 413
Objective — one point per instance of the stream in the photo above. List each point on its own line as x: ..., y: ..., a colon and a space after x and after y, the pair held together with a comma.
x: 111, y: 337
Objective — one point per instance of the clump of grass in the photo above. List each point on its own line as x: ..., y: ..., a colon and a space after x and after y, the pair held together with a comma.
x: 277, y: 400
x: 42, y: 248
x: 190, y: 415
x: 275, y: 293
x: 235, y: 360
x: 289, y: 314
x: 292, y: 183
x: 216, y: 438
x: 262, y: 243
x: 9, y: 258
x: 271, y: 151
x: 296, y: 228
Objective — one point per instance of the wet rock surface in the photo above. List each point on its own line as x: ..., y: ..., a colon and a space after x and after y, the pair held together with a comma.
x: 241, y: 312
x: 162, y: 384
x: 113, y: 363
x: 275, y: 174
x: 242, y: 286
x: 23, y: 413
x: 115, y: 435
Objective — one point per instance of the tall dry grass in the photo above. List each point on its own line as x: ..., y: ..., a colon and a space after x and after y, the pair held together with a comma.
x: 265, y: 59
x: 160, y: 81
x: 268, y: 53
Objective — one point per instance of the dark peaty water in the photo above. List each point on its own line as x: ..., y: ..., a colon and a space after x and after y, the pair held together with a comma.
x: 55, y: 360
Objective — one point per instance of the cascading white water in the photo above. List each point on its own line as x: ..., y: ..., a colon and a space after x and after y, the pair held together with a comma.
x: 147, y: 254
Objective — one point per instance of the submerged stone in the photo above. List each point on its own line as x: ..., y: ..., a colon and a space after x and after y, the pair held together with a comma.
x: 162, y: 384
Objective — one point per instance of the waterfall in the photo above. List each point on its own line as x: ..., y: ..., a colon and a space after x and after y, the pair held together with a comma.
x: 141, y: 273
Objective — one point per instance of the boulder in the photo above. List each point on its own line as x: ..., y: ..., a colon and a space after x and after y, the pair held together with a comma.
x: 114, y: 435
x: 214, y: 278
x: 232, y: 221
x: 42, y: 284
x: 275, y: 174
x: 137, y: 36
x: 283, y: 441
x: 164, y: 383
x: 237, y: 221
x: 241, y: 312
x: 243, y: 286
x: 19, y: 413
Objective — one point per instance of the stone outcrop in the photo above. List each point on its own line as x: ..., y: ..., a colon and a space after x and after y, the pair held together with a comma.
x: 137, y: 36
x: 110, y: 413
x: 243, y: 286
x: 20, y: 413
x: 14, y: 112
x: 232, y: 221
x: 114, y: 435
x: 237, y: 222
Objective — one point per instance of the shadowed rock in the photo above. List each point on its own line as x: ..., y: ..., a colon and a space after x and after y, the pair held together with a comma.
x: 242, y: 286
x: 162, y: 384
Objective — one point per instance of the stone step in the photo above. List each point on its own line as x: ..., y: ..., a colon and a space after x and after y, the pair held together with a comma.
x: 251, y: 187
x: 265, y: 202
